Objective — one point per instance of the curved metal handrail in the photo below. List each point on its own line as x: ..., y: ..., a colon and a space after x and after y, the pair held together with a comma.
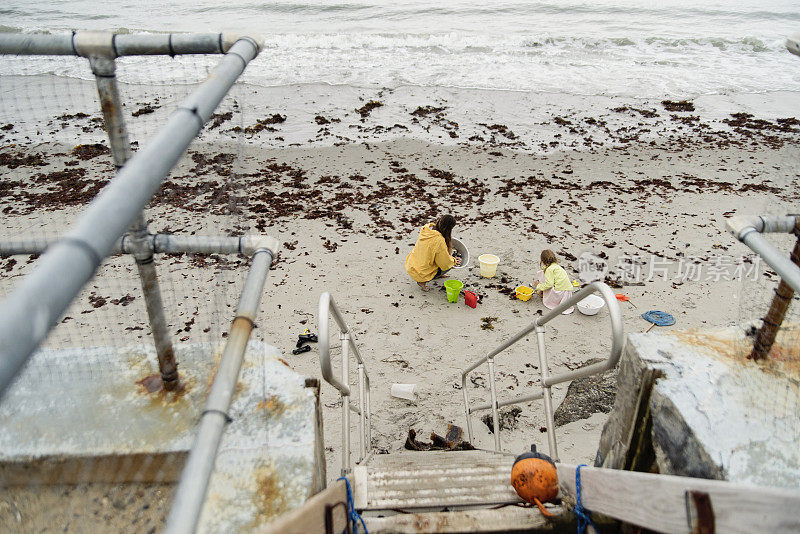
x: 617, y: 339
x: 327, y: 307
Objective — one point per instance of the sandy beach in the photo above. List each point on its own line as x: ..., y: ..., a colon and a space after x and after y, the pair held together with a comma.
x: 347, y: 190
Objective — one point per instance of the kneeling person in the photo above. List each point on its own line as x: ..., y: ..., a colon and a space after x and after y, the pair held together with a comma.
x: 431, y: 257
x: 554, y: 284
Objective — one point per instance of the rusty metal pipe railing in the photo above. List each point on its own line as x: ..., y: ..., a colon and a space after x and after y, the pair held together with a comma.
x: 327, y: 307
x: 766, y: 335
x: 749, y: 231
x: 117, y: 45
x: 156, y: 243
x: 36, y: 304
x: 26, y: 246
x: 190, y: 495
x: 104, y: 70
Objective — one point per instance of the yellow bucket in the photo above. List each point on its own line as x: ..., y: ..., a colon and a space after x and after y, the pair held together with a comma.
x: 524, y: 293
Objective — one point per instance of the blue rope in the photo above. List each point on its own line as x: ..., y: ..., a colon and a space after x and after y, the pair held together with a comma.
x: 659, y: 318
x: 353, y: 516
x: 584, y: 516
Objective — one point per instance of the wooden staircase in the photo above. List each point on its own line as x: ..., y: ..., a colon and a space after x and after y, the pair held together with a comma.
x: 468, y: 491
x: 464, y: 491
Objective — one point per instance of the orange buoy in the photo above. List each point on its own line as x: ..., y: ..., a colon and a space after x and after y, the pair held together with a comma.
x: 535, y: 478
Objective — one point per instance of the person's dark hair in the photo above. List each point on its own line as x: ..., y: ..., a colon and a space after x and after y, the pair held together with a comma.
x: 445, y: 226
x: 548, y: 258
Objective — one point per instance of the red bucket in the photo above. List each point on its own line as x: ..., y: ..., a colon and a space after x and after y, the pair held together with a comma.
x: 471, y: 299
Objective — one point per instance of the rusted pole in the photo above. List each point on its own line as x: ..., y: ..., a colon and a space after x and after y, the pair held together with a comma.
x: 104, y: 69
x: 187, y: 505
x: 784, y: 293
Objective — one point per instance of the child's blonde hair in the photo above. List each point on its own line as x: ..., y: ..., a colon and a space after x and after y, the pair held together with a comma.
x: 547, y: 258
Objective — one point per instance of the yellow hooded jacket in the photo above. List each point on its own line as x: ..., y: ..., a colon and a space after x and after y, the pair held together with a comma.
x: 429, y: 253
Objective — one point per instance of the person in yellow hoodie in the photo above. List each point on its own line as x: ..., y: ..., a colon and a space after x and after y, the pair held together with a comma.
x: 431, y: 257
x: 554, y: 285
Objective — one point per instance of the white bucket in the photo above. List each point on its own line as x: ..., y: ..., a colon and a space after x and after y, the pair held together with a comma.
x: 404, y: 391
x: 488, y: 264
x: 591, y: 304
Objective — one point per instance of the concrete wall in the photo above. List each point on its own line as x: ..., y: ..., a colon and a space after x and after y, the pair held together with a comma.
x: 85, y: 416
x: 691, y: 403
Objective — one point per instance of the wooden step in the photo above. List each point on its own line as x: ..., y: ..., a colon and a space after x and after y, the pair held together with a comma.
x: 506, y: 519
x: 434, y: 481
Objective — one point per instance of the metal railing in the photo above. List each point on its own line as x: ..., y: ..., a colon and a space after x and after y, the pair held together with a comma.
x: 193, y: 486
x: 327, y: 307
x: 547, y: 381
x: 36, y: 305
x: 113, y: 223
x: 749, y: 231
x: 154, y: 243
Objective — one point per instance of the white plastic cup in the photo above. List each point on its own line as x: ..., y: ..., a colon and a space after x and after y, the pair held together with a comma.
x: 404, y: 391
x: 488, y: 264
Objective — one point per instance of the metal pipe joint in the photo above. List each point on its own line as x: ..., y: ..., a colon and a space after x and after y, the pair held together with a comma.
x: 750, y: 230
x: 94, y: 43
x: 250, y: 244
x: 228, y: 39
x: 741, y: 225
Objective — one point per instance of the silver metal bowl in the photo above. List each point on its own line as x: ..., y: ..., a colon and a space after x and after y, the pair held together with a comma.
x: 462, y: 249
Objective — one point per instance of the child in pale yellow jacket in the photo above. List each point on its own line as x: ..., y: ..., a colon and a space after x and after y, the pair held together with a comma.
x: 431, y: 257
x: 554, y: 285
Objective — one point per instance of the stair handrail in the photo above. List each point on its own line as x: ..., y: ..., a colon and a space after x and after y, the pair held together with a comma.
x: 547, y: 381
x: 327, y: 307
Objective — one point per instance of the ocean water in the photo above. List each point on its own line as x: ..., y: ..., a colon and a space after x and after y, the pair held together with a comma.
x: 635, y: 48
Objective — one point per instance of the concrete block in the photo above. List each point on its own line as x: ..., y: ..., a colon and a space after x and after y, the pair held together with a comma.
x: 85, y: 415
x: 691, y: 403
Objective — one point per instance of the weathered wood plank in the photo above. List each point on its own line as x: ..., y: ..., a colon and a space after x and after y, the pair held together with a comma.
x: 360, y: 492
x: 659, y: 502
x: 320, y: 469
x: 311, y: 516
x: 113, y: 469
x: 510, y: 518
x: 623, y: 443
